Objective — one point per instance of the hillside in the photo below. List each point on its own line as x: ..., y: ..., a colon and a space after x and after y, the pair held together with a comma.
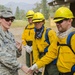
x: 21, y: 5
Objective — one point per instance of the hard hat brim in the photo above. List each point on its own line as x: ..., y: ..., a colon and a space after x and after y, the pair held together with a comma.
x: 56, y: 20
x: 37, y: 20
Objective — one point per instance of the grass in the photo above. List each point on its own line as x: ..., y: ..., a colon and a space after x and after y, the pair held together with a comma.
x: 19, y: 23
x: 23, y: 23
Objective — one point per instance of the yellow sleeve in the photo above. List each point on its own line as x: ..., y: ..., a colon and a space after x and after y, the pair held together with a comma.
x: 35, y: 53
x: 23, y: 38
x: 52, y: 35
x: 50, y: 55
x: 73, y: 42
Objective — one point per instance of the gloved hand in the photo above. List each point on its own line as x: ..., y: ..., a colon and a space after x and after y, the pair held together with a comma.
x: 28, y: 48
x: 34, y: 67
x: 41, y: 69
x: 73, y: 68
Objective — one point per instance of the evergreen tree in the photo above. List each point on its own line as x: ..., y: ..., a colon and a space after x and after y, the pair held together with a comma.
x: 22, y: 14
x: 45, y: 8
x: 17, y: 13
x: 37, y: 8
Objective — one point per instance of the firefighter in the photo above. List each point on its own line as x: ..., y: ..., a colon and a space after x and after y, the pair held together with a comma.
x: 64, y: 51
x: 43, y: 38
x: 27, y: 37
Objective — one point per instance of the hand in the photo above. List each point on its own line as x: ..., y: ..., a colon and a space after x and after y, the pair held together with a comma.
x: 39, y: 70
x: 28, y: 48
x: 32, y: 69
x: 30, y: 72
x: 25, y: 69
x: 19, y: 46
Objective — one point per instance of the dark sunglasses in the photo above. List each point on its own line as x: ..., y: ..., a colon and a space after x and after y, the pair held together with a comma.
x: 59, y: 22
x: 36, y: 22
x: 9, y: 19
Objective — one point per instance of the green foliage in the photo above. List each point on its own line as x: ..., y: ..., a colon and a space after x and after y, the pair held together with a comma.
x: 22, y: 14
x: 19, y: 14
x: 45, y: 8
x: 42, y: 7
x: 23, y: 23
x: 37, y: 8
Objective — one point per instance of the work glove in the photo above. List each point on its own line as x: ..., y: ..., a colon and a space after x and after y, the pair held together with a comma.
x: 39, y: 70
x: 73, y: 68
x: 28, y: 49
x: 34, y: 67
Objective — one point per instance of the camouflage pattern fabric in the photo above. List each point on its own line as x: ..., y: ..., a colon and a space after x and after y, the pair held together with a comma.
x: 8, y: 54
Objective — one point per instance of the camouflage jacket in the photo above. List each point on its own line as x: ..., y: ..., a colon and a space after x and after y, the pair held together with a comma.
x: 8, y: 54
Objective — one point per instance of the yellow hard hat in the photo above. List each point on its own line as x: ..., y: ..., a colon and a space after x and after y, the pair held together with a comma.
x: 38, y: 17
x: 61, y: 13
x: 30, y: 14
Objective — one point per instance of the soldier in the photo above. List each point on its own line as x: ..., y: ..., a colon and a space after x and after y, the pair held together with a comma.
x: 9, y: 48
x: 64, y: 46
x: 27, y: 37
x: 42, y: 40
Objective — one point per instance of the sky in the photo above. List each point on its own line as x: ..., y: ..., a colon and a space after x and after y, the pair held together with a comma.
x: 26, y: 1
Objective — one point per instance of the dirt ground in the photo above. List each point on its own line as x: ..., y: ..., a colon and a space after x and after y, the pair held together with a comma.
x: 17, y: 32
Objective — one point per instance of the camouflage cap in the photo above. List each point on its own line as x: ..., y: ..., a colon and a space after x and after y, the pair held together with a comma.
x: 6, y: 13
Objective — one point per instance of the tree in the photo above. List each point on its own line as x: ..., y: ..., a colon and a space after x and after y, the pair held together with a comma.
x: 22, y: 14
x: 37, y: 8
x: 17, y: 13
x: 45, y: 8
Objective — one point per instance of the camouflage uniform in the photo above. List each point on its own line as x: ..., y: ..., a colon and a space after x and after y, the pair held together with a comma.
x: 8, y: 54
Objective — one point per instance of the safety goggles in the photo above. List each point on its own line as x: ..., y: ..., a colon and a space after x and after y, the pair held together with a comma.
x: 9, y: 19
x: 59, y: 22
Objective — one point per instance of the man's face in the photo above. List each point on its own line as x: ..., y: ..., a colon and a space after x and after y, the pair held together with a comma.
x: 63, y: 25
x: 6, y: 22
x: 30, y: 20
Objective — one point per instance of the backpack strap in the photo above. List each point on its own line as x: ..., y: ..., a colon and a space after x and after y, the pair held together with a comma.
x: 46, y: 35
x: 69, y: 40
x: 47, y: 39
x: 28, y: 28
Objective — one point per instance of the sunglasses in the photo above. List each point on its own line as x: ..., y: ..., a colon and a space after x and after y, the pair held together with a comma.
x: 37, y: 22
x: 9, y: 19
x: 59, y: 22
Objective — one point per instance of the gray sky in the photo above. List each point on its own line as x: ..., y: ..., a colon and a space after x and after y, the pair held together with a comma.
x: 26, y: 1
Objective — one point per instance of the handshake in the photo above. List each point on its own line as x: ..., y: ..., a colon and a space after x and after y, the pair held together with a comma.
x: 29, y: 71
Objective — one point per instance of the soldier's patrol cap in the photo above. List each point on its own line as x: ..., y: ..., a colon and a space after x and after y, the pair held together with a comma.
x: 6, y: 13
